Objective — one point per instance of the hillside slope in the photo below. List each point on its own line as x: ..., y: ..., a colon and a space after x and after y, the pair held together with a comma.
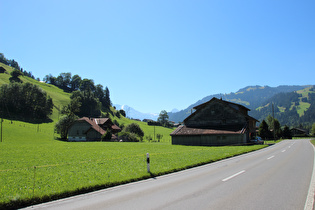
x: 61, y: 98
x: 292, y: 108
x: 250, y: 96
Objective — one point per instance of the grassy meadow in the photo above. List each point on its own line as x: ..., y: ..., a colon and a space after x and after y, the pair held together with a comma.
x: 35, y: 167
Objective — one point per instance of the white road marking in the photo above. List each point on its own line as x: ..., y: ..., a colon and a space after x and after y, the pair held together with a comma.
x: 270, y: 157
x: 234, y: 175
x: 311, y: 190
x: 283, y: 150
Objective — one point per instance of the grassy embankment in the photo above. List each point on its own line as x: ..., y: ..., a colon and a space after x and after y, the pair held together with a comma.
x: 35, y: 167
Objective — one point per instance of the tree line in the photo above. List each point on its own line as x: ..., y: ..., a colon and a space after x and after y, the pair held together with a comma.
x: 92, y: 98
x: 14, y: 64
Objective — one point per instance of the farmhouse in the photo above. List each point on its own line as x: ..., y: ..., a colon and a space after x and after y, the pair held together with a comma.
x: 214, y: 123
x: 91, y: 129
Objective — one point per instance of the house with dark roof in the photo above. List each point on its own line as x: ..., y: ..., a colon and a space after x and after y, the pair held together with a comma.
x: 215, y: 123
x: 91, y: 129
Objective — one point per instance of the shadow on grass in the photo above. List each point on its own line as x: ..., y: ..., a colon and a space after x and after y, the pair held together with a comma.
x: 26, y: 119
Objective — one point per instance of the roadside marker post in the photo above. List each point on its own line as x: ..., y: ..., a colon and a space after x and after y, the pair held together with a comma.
x: 148, y: 162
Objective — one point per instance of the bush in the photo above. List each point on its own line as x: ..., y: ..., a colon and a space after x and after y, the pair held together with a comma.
x: 159, y: 137
x: 127, y: 136
x: 107, y: 136
x: 134, y: 128
x: 122, y: 112
x: 148, y: 138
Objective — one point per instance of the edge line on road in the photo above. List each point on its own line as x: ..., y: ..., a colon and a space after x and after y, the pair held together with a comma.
x: 311, y: 190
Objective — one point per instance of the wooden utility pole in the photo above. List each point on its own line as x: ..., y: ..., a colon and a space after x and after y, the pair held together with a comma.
x: 274, y: 128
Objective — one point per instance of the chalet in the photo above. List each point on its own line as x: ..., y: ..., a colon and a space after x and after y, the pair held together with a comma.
x: 299, y: 132
x: 91, y: 129
x: 214, y: 123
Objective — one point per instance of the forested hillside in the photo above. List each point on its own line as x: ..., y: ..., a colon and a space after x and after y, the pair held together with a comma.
x: 250, y: 96
x: 95, y: 102
x: 293, y: 109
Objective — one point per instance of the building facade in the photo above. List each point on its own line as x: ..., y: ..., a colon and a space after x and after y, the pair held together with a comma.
x: 91, y: 129
x: 214, y: 123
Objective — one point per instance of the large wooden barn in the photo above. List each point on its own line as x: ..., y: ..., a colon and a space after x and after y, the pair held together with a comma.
x: 215, y: 123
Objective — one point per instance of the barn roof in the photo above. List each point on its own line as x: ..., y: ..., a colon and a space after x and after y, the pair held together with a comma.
x: 231, y: 105
x: 93, y: 124
x: 101, y: 121
x: 226, y: 102
x: 184, y: 131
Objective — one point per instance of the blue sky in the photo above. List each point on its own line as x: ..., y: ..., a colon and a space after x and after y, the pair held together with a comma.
x: 160, y: 55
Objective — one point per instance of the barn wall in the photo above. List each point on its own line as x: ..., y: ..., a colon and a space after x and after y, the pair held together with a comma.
x: 92, y: 135
x: 77, y: 132
x: 209, y: 140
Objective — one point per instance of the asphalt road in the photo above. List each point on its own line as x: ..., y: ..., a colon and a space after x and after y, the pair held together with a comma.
x: 277, y: 177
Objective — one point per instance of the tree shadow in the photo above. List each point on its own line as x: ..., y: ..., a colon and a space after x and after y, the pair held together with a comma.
x: 26, y: 119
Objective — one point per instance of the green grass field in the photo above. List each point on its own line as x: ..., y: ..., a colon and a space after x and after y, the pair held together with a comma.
x: 35, y: 167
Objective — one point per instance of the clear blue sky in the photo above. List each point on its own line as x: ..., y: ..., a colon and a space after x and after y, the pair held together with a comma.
x: 165, y: 54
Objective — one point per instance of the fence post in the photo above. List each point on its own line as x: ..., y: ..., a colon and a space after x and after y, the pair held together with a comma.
x: 34, y: 181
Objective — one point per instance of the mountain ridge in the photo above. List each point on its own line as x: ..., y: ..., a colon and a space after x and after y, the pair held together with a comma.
x: 249, y: 96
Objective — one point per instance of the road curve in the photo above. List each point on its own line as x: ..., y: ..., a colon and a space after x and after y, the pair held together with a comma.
x: 277, y: 177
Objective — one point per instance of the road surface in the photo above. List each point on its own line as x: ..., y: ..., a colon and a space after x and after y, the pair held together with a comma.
x: 277, y: 177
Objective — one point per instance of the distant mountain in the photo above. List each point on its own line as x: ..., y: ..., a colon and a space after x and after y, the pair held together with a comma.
x: 134, y: 114
x: 291, y: 108
x: 250, y: 96
x: 174, y: 110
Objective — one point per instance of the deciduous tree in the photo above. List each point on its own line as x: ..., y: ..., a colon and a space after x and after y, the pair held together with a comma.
x: 264, y: 132
x: 163, y: 118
